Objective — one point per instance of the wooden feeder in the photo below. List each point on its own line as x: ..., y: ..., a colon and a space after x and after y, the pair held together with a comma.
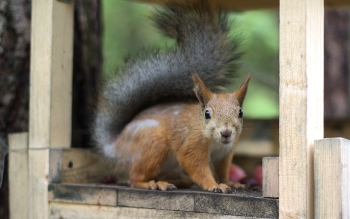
x: 53, y: 181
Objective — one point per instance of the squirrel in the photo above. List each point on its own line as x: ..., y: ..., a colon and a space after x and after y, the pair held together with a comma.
x: 166, y: 108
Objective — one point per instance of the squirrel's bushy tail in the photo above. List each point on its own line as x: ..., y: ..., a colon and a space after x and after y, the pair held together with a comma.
x: 203, y: 46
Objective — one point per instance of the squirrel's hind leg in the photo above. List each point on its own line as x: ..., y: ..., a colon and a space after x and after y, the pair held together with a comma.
x: 153, y: 151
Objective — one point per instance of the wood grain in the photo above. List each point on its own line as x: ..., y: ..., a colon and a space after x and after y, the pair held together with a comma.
x: 50, y: 94
x: 156, y: 200
x: 235, y: 205
x: 61, y: 210
x: 83, y: 194
x: 240, y: 204
x: 301, y: 103
x: 270, y: 177
x: 332, y: 177
x: 18, y: 175
x: 76, y: 165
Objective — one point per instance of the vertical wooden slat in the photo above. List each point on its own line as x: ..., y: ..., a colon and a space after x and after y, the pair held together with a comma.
x: 270, y: 177
x: 50, y: 93
x: 332, y: 177
x: 301, y: 103
x: 18, y: 175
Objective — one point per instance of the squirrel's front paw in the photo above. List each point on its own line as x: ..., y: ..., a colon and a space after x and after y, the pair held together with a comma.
x: 222, y: 188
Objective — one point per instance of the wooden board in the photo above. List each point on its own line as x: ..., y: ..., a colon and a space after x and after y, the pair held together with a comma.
x: 270, y: 177
x: 241, y: 203
x: 50, y: 93
x: 61, y: 210
x: 301, y: 103
x: 18, y: 175
x: 251, y: 5
x: 332, y: 177
x: 76, y: 165
x: 83, y: 194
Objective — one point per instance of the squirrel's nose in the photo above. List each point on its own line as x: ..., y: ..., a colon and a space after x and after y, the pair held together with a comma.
x: 227, y: 133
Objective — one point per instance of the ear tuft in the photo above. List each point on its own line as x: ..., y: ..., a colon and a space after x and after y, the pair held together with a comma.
x: 202, y: 92
x: 242, y: 91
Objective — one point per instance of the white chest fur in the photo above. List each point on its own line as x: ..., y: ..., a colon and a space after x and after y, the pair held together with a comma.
x: 218, y: 150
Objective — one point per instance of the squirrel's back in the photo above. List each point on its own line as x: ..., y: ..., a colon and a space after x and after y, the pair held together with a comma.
x: 203, y: 47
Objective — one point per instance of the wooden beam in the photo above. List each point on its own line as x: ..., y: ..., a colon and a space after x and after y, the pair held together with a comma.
x: 76, y: 165
x: 270, y: 177
x: 184, y: 201
x: 253, y: 5
x: 62, y: 210
x: 50, y: 93
x: 18, y: 175
x: 332, y: 177
x: 301, y: 103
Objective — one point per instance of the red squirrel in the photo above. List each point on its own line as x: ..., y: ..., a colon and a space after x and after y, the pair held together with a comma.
x: 164, y: 109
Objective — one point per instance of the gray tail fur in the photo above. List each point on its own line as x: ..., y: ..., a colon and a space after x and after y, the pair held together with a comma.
x: 203, y: 46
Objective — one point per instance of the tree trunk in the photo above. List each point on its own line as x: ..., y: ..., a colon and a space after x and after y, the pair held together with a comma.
x: 337, y: 58
x: 14, y: 71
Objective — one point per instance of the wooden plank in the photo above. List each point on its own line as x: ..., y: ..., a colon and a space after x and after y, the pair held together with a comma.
x: 18, y: 175
x: 270, y: 177
x: 332, y: 177
x: 61, y: 210
x: 251, y: 5
x: 76, y: 165
x: 64, y: 210
x: 235, y: 205
x: 55, y: 165
x: 50, y: 93
x: 301, y: 102
x: 241, y: 203
x: 156, y: 200
x: 83, y: 194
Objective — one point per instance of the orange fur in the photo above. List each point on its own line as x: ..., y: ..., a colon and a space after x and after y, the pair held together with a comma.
x: 178, y: 133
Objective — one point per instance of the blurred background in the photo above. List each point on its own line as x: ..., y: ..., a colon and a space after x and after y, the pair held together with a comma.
x: 127, y: 29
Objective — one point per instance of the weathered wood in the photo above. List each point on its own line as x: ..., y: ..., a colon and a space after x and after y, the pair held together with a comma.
x: 235, y: 205
x: 301, y: 103
x: 60, y: 210
x: 249, y: 5
x: 76, y: 165
x: 18, y: 175
x: 55, y: 165
x: 332, y: 177
x: 270, y: 177
x: 83, y: 194
x: 241, y: 203
x: 156, y: 200
x: 64, y: 210
x: 50, y: 93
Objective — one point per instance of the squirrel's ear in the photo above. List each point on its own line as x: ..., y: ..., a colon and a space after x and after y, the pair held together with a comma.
x: 241, y: 92
x: 202, y: 92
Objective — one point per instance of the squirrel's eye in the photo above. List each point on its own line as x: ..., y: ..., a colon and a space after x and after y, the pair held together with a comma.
x: 240, y: 113
x: 207, y: 114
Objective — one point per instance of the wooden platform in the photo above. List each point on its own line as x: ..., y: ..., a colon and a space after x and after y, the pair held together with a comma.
x: 108, y: 201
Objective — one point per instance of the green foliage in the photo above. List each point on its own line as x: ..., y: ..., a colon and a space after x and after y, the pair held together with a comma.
x: 128, y: 29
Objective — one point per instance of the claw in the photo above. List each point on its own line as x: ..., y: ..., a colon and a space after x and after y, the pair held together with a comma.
x: 217, y: 190
x: 171, y: 187
x: 229, y: 190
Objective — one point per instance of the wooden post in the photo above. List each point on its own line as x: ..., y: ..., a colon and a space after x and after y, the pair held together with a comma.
x: 332, y: 177
x: 50, y: 93
x: 301, y: 103
x: 18, y: 175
